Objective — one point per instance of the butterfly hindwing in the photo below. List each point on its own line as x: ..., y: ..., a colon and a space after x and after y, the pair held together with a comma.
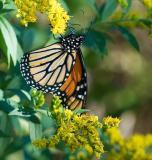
x: 73, y: 91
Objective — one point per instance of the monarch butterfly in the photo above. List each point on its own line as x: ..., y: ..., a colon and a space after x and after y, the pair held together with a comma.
x: 59, y: 69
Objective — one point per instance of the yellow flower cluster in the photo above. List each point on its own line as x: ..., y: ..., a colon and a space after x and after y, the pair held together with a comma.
x: 76, y: 131
x: 123, y: 3
x: 42, y: 143
x: 57, y: 16
x: 148, y: 3
x: 79, y: 156
x: 115, y: 136
x: 38, y: 98
x: 110, y: 122
x: 133, y: 148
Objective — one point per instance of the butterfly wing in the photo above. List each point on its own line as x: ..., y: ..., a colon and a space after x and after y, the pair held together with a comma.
x: 48, y: 68
x: 74, y: 90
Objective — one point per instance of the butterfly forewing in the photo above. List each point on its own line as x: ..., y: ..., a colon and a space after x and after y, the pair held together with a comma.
x: 48, y: 68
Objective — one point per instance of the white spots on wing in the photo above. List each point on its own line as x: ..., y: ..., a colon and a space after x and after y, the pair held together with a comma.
x: 81, y: 96
x: 81, y: 86
x: 67, y: 74
x: 60, y: 84
x: 78, y: 88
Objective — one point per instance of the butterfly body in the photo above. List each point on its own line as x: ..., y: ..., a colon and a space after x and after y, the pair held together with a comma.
x: 72, y: 42
x: 58, y: 69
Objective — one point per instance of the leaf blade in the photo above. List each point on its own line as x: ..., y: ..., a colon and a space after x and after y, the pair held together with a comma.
x: 109, y: 8
x: 129, y: 37
x: 9, y: 38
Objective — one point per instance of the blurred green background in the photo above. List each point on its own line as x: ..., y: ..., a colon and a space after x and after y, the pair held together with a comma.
x: 118, y: 56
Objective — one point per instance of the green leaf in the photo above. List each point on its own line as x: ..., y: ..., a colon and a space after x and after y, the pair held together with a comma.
x: 1, y: 94
x: 92, y: 4
x: 3, y: 48
x: 64, y: 4
x: 19, y: 112
x: 1, y: 5
x: 9, y: 5
x: 5, y: 11
x: 6, y: 128
x: 5, y: 106
x: 126, y: 9
x: 109, y: 8
x: 3, y: 135
x: 26, y: 113
x: 96, y: 41
x: 146, y: 22
x: 35, y: 131
x: 10, y: 39
x: 24, y: 95
x: 129, y: 37
x: 15, y: 145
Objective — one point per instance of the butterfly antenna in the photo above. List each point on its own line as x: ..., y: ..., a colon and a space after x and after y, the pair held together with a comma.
x: 72, y: 29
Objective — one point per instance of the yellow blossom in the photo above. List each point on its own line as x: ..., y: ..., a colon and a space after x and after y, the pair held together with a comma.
x: 134, y: 147
x: 72, y: 158
x: 148, y: 3
x: 110, y: 122
x: 115, y: 136
x: 75, y: 131
x: 89, y: 149
x: 57, y: 16
x: 81, y: 156
x: 123, y: 3
x: 41, y: 143
x: 37, y: 98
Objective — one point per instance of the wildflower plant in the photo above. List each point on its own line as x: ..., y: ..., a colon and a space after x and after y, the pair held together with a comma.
x: 57, y: 16
x: 75, y: 130
x: 128, y: 148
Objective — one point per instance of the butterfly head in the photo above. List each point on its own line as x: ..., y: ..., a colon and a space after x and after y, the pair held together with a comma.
x: 72, y: 42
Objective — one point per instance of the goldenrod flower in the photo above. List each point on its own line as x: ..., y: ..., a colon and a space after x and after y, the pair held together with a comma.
x: 115, y: 136
x: 135, y: 147
x: 57, y: 16
x: 37, y: 98
x: 110, y: 122
x: 123, y: 3
x: 75, y: 131
x: 72, y: 158
x: 148, y: 3
x: 42, y: 143
x: 89, y: 149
